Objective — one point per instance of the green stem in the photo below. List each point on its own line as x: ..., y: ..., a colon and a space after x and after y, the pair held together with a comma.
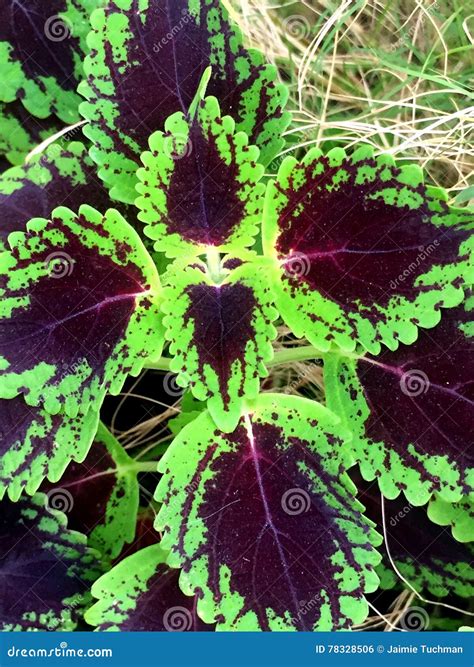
x: 145, y: 466
x: 303, y: 353
x: 214, y: 264
x: 162, y: 364
x: 135, y: 467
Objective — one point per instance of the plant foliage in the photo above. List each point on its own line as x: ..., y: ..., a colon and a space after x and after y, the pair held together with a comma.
x: 161, y: 229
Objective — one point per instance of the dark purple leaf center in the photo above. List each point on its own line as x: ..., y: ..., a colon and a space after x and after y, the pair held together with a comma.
x: 78, y: 312
x: 353, y: 248
x: 266, y: 524
x: 423, y: 394
x: 203, y: 204
x: 42, y: 41
x: 222, y: 317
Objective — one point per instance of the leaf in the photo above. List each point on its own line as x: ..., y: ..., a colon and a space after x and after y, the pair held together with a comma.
x: 103, y: 495
x: 20, y: 132
x: 411, y: 411
x: 79, y: 309
x: 199, y: 186
x: 42, y: 48
x: 190, y: 408
x: 427, y: 556
x: 45, y: 568
x: 367, y: 253
x: 460, y: 516
x: 35, y: 445
x: 166, y: 48
x: 58, y: 177
x: 220, y: 335
x: 141, y: 594
x: 264, y: 521
x: 465, y: 195
x: 145, y: 533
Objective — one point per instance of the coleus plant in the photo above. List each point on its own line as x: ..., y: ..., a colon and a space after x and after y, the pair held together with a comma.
x: 164, y: 230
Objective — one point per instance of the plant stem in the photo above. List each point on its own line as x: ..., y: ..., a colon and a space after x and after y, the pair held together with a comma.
x: 145, y: 466
x: 162, y: 364
x: 214, y: 264
x: 303, y: 353
x: 135, y: 467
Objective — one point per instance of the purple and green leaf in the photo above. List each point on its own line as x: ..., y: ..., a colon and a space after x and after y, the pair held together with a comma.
x: 104, y: 494
x: 35, y: 445
x: 141, y: 594
x: 220, y: 334
x: 199, y: 187
x: 189, y: 408
x: 459, y: 516
x: 46, y: 569
x: 425, y: 554
x: 367, y: 253
x: 79, y: 309
x: 42, y: 49
x: 411, y: 411
x: 20, y: 132
x: 145, y: 533
x: 58, y: 177
x: 264, y: 521
x: 165, y: 48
